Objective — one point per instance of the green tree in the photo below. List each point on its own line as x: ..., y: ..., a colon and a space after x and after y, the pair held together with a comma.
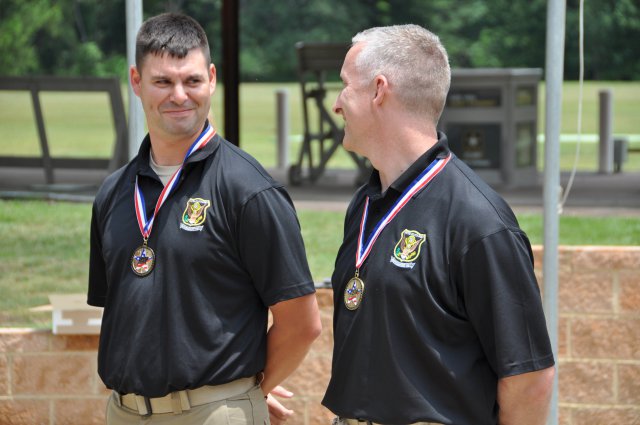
x: 513, y: 34
x: 20, y: 22
x: 611, y: 34
x: 270, y: 29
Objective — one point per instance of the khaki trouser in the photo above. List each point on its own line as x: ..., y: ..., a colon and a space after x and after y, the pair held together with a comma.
x: 346, y: 421
x: 247, y: 407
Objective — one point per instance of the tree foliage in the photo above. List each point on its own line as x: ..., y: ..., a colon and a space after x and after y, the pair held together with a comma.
x: 88, y: 37
x: 20, y: 21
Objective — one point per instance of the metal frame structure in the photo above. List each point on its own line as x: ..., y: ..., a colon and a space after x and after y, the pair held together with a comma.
x: 315, y: 61
x: 35, y: 85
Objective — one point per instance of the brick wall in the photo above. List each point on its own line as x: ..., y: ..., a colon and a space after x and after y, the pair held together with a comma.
x: 47, y: 379
x: 598, y: 335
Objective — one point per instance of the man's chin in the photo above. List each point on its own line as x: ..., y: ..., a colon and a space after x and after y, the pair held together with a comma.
x: 184, y: 126
x: 347, y: 145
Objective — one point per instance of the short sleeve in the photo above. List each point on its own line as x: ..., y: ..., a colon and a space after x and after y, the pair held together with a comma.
x: 503, y: 303
x: 97, y: 291
x: 271, y: 247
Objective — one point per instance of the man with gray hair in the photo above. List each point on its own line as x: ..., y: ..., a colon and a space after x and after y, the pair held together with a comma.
x: 437, y: 312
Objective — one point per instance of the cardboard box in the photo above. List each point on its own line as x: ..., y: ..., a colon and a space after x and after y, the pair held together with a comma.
x: 72, y: 315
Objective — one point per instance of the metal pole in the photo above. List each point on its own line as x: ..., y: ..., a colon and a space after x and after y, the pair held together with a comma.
x: 554, y: 76
x: 136, y: 114
x: 231, y: 70
x: 605, y: 148
x: 282, y: 117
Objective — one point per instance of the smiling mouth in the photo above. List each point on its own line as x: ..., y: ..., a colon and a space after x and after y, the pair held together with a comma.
x: 178, y: 111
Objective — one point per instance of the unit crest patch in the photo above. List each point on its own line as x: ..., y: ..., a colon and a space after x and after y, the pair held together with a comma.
x: 407, y: 249
x: 195, y: 214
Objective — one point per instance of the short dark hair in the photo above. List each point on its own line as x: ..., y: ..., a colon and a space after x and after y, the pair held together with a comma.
x: 171, y: 33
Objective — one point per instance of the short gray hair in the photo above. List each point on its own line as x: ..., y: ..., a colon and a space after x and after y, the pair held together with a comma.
x: 413, y: 60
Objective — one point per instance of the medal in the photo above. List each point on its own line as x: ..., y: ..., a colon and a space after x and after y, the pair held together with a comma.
x: 354, y: 291
x: 144, y: 259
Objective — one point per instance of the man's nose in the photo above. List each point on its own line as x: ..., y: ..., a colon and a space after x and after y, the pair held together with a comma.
x: 178, y: 94
x: 336, y: 106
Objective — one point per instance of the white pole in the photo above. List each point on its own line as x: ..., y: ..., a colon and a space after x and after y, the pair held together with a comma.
x: 553, y: 111
x: 136, y: 114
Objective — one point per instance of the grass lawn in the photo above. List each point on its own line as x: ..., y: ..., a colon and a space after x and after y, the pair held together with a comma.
x: 80, y: 124
x: 45, y: 246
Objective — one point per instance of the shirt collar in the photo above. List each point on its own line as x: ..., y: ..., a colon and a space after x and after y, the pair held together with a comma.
x: 142, y: 159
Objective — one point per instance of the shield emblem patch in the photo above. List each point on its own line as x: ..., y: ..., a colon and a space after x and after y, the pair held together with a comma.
x: 407, y: 249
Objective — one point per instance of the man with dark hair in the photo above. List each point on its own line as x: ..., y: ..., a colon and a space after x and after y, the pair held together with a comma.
x: 192, y: 244
x: 437, y: 312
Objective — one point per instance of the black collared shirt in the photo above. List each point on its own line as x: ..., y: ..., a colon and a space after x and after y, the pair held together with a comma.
x: 200, y: 317
x: 451, y: 303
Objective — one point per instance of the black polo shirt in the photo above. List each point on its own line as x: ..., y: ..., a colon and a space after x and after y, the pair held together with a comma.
x: 200, y: 317
x: 450, y: 304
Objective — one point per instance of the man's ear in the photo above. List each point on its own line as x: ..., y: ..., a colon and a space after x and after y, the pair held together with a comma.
x: 382, y: 89
x: 134, y: 78
x: 212, y: 79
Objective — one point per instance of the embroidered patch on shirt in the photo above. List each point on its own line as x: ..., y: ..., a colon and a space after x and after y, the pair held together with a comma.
x: 407, y: 249
x: 195, y: 214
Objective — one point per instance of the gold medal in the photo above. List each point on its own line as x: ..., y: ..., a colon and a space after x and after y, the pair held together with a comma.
x: 143, y: 260
x: 353, y: 293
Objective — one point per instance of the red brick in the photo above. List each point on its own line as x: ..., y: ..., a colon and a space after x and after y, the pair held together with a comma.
x: 588, y: 291
x: 629, y: 384
x: 605, y: 338
x: 53, y: 374
x: 563, y: 329
x: 99, y: 387
x: 609, y: 257
x: 75, y: 343
x: 4, y: 375
x: 325, y: 298
x: 629, y: 297
x: 80, y: 411
x: 606, y: 416
x: 24, y: 412
x: 538, y: 253
x: 564, y: 416
x: 312, y: 377
x: 324, y: 343
x: 298, y: 405
x: 23, y: 340
x: 564, y: 267
x: 317, y: 413
x: 580, y: 382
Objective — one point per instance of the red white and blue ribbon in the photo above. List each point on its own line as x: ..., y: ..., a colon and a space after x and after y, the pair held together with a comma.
x: 418, y: 184
x: 146, y: 225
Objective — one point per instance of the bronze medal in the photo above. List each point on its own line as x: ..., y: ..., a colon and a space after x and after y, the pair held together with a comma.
x: 143, y: 260
x: 353, y: 293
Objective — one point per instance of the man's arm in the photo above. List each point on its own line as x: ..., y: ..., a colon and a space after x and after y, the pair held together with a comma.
x: 296, y: 324
x: 524, y: 399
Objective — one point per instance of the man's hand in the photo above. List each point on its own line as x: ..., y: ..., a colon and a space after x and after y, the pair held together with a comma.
x: 278, y: 414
